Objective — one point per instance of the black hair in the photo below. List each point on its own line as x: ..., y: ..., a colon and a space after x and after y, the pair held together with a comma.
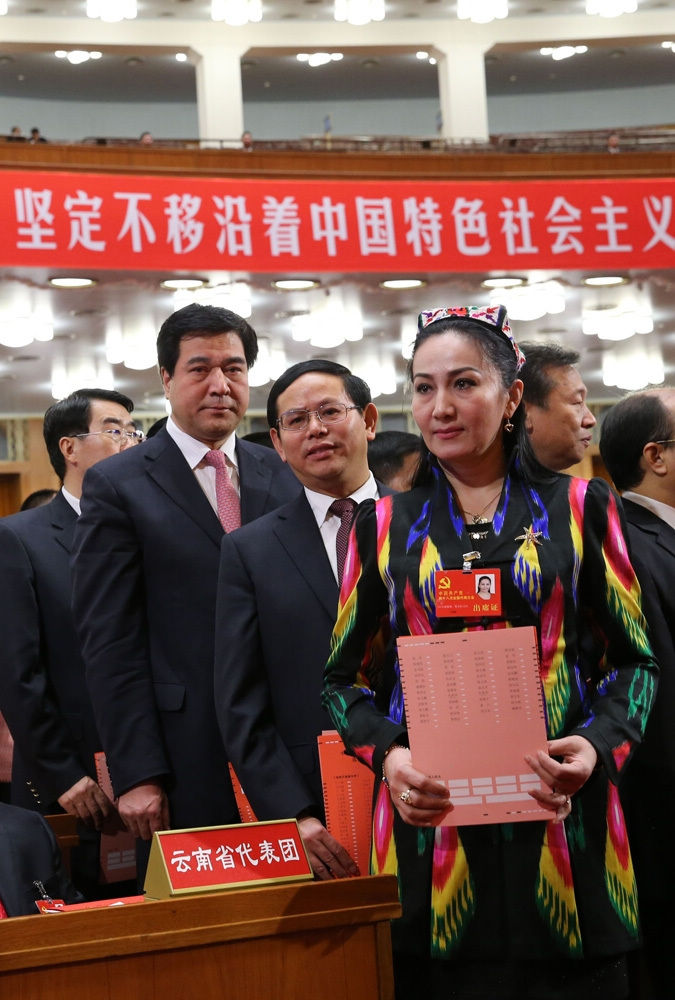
x: 37, y: 498
x: 259, y: 437
x: 497, y: 351
x: 71, y: 416
x: 202, y: 321
x: 387, y: 451
x: 626, y: 429
x: 356, y: 389
x: 156, y: 427
x: 536, y: 372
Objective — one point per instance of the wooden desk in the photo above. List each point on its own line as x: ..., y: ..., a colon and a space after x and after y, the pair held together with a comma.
x: 317, y: 941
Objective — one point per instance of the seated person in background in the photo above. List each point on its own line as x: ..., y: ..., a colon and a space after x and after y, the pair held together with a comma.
x: 557, y: 421
x: 16, y: 135
x: 393, y: 457
x: 35, y: 136
x: 246, y: 141
x: 31, y: 866
x: 146, y: 139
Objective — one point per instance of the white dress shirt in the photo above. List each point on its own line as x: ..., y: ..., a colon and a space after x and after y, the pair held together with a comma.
x: 329, y: 523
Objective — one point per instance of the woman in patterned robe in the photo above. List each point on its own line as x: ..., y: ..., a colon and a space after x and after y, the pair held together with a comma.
x: 530, y: 909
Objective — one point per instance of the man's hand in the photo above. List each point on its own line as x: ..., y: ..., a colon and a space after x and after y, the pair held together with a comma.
x: 144, y: 809
x: 86, y: 800
x: 327, y: 858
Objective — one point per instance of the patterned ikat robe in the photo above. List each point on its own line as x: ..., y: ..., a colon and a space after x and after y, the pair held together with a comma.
x: 522, y: 890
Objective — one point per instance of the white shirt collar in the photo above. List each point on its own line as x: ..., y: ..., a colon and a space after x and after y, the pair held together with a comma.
x: 72, y: 500
x: 661, y: 510
x: 194, y: 451
x: 320, y: 503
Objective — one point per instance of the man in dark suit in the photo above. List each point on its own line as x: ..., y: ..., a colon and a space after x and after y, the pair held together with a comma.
x: 145, y: 571
x: 277, y: 602
x: 31, y: 866
x: 42, y: 693
x: 637, y: 445
x: 557, y: 420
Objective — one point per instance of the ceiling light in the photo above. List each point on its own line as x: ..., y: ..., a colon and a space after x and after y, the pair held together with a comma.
x: 181, y: 57
x: 183, y: 284
x: 235, y: 296
x: 236, y: 12
x: 604, y: 280
x: 77, y: 56
x: 359, y: 11
x: 618, y: 321
x: 563, y: 51
x: 633, y: 366
x: 482, y: 11
x: 611, y: 8
x: 668, y: 45
x: 402, y: 283
x: 4, y: 6
x: 67, y: 376
x: 505, y: 281
x: 259, y: 373
x: 422, y: 55
x: 112, y: 10
x: 529, y: 302
x: 295, y: 284
x: 319, y: 58
x: 62, y: 282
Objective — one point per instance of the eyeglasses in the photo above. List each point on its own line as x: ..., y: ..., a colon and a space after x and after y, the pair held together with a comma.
x: 115, y: 434
x: 328, y: 413
x: 666, y: 441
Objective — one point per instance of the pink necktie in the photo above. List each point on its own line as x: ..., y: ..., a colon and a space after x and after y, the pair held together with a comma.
x: 345, y: 510
x: 227, y: 497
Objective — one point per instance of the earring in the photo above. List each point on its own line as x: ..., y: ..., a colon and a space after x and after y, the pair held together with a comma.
x: 508, y: 426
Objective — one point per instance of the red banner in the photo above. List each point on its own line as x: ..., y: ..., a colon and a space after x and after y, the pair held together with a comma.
x: 187, y: 223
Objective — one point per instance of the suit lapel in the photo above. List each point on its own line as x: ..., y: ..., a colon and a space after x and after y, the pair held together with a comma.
x: 255, y: 480
x: 63, y: 520
x: 168, y: 468
x: 650, y: 522
x: 298, y: 532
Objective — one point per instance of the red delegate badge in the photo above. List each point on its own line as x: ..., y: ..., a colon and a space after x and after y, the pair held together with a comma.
x: 476, y: 594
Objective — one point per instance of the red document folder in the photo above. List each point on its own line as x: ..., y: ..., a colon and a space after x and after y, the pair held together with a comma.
x: 348, y: 798
x: 118, y: 846
x: 474, y: 708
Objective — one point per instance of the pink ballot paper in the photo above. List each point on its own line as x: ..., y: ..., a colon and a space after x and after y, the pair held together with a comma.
x: 474, y: 708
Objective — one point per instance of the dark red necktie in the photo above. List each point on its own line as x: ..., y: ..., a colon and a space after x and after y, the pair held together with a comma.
x: 345, y: 510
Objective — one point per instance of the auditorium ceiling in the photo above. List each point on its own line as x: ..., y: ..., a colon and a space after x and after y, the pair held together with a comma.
x: 82, y: 317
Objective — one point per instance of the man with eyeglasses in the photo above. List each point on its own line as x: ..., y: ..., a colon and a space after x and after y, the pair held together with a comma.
x: 43, y: 695
x: 278, y: 596
x: 145, y: 571
x: 637, y: 445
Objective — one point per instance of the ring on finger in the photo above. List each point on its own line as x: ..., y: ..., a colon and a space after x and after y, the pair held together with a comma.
x: 405, y: 796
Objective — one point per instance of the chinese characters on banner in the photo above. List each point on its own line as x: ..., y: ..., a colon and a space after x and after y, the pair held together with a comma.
x: 148, y: 222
